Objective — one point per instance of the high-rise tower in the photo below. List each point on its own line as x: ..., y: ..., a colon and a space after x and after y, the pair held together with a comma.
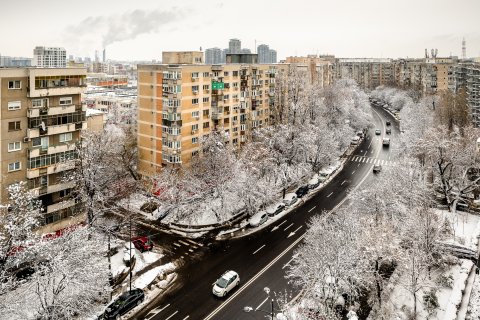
x: 464, y: 49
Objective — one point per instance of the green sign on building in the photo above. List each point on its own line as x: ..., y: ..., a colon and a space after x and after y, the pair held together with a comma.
x: 217, y: 85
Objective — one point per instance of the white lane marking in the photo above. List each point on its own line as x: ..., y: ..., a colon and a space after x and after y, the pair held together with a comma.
x: 176, y: 244
x: 258, y: 307
x: 233, y: 296
x: 343, y: 182
x: 293, y: 232
x: 369, y: 144
x: 365, y: 153
x: 358, y: 165
x: 312, y: 209
x: 190, y: 250
x: 172, y: 315
x: 259, y: 249
x: 288, y: 263
x: 276, y: 227
x: 185, y: 243
x: 330, y: 194
x: 288, y: 227
x: 384, y: 162
x: 363, y: 160
x: 193, y: 242
x: 186, y: 317
x: 168, y: 305
x: 353, y: 171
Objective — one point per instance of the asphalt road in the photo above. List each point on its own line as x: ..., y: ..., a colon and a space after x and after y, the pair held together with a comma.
x: 261, y: 258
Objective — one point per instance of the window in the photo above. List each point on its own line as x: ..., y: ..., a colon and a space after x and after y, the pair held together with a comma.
x: 195, y: 114
x: 40, y: 142
x: 206, y: 87
x: 14, y: 126
x: 194, y: 88
x: 194, y: 140
x: 206, y: 74
x: 194, y: 127
x: 14, y: 105
x: 206, y: 125
x: 64, y: 137
x: 235, y: 73
x: 64, y: 101
x: 15, y: 84
x: 243, y: 127
x: 14, y: 166
x: 195, y: 101
x: 14, y: 146
x: 206, y: 99
x: 194, y: 74
x: 40, y: 103
x: 225, y: 73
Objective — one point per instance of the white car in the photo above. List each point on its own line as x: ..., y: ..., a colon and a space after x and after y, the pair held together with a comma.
x: 314, y: 182
x: 275, y: 209
x: 386, y: 142
x: 258, y: 218
x: 355, y: 140
x: 225, y: 283
x: 290, y: 199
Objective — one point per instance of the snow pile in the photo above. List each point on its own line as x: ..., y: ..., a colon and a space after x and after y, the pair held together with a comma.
x: 473, y: 312
x: 148, y: 277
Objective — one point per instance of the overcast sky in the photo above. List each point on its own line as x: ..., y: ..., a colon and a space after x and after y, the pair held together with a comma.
x: 142, y: 29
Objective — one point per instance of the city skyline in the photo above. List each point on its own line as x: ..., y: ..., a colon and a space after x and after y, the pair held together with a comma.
x: 133, y: 32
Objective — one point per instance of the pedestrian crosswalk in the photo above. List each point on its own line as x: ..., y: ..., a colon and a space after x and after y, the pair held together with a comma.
x: 369, y: 160
x: 186, y: 246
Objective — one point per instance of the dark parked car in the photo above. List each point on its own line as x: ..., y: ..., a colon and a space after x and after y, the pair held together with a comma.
x: 388, y: 131
x: 142, y: 243
x: 388, y: 123
x: 127, y: 301
x: 303, y: 190
x: 377, y: 168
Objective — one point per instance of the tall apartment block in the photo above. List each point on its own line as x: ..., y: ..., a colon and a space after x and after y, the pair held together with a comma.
x: 41, y: 118
x: 179, y: 104
x: 234, y: 46
x: 49, y: 57
x: 467, y: 76
x: 213, y: 56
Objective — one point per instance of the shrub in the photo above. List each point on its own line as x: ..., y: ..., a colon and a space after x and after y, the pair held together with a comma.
x: 430, y: 300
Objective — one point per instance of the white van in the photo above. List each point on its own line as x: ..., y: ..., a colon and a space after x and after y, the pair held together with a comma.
x: 290, y: 199
x: 355, y: 140
x: 313, y: 183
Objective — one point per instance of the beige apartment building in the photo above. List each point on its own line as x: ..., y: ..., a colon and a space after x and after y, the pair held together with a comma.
x: 179, y: 104
x: 320, y: 69
x: 41, y: 118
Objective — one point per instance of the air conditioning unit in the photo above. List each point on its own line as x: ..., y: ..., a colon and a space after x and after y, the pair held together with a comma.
x: 25, y: 139
x: 207, y: 90
x: 195, y: 92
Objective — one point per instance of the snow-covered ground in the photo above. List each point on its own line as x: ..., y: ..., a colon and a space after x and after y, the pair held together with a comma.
x: 473, y: 311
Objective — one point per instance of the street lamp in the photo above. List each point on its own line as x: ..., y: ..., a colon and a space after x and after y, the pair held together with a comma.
x: 272, y: 310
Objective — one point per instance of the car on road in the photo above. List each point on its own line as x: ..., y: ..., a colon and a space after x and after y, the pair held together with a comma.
x: 226, y: 283
x: 388, y: 131
x: 275, y: 209
x: 124, y: 303
x: 303, y: 190
x: 360, y: 133
x: 377, y: 168
x: 355, y: 140
x: 258, y: 219
x: 290, y: 199
x: 388, y: 123
x: 378, y: 132
x: 142, y: 243
x: 386, y: 142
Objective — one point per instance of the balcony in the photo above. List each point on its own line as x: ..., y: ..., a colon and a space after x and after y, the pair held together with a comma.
x: 217, y: 115
x: 53, y: 188
x: 33, y: 133
x: 61, y: 109
x: 63, y: 128
x: 60, y: 205
x: 55, y: 91
x: 61, y: 166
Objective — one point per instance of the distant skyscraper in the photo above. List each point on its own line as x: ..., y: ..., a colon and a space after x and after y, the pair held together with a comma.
x: 224, y: 55
x: 246, y: 50
x: 45, y: 57
x: 273, y: 56
x: 213, y: 56
x: 263, y: 52
x: 104, y: 56
x: 9, y: 62
x: 234, y: 46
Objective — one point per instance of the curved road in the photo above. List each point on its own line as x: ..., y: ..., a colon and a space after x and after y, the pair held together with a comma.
x: 261, y: 258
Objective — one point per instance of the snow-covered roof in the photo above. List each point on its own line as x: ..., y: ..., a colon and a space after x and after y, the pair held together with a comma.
x: 93, y: 112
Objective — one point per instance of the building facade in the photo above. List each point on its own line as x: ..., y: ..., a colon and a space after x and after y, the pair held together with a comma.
x: 14, y: 62
x: 213, y: 56
x: 49, y: 57
x: 41, y: 119
x: 180, y: 104
x: 234, y: 46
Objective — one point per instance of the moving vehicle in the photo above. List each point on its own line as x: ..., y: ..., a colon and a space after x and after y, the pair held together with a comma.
x: 303, y: 190
x: 378, y: 132
x: 386, y: 142
x: 388, y: 123
x: 124, y: 303
x: 290, y: 199
x: 258, y: 218
x: 275, y: 209
x: 225, y: 283
x: 377, y: 168
x: 388, y: 131
x: 142, y: 243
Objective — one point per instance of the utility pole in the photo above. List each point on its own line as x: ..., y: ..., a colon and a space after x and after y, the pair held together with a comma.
x: 272, y: 309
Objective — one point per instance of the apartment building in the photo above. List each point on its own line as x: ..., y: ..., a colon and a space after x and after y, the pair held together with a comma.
x: 321, y: 70
x: 179, y: 104
x: 41, y: 117
x: 467, y: 76
x: 49, y: 57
